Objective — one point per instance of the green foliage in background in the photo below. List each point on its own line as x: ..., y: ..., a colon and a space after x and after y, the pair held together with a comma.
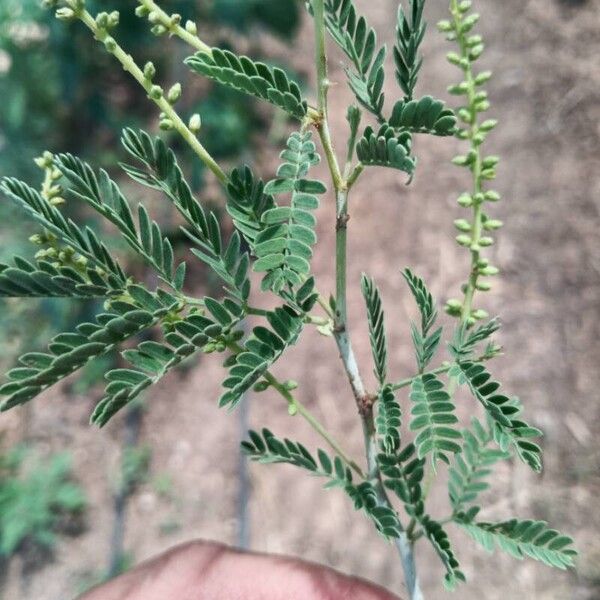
x: 35, y: 496
x: 279, y: 16
x: 410, y: 438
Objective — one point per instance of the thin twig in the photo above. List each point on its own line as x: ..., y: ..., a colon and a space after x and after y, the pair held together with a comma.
x: 131, y: 66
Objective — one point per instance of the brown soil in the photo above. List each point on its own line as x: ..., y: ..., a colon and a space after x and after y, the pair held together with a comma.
x: 546, y: 95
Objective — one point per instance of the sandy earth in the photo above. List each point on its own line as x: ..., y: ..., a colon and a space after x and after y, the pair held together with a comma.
x: 546, y: 95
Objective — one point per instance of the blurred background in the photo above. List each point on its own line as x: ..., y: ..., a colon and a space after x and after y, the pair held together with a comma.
x: 78, y: 506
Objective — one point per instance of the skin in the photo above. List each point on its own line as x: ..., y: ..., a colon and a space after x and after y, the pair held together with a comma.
x: 203, y: 571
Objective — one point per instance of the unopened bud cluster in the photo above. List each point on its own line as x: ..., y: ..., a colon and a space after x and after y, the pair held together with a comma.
x: 50, y: 248
x: 172, y: 96
x: 70, y: 12
x: 290, y: 385
x: 221, y: 344
x: 51, y: 191
x: 107, y: 21
x: 474, y: 234
x: 161, y: 22
x: 58, y: 256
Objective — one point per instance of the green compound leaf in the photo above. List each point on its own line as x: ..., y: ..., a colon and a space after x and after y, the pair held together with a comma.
x: 386, y: 148
x: 423, y: 298
x: 68, y: 352
x: 521, y: 539
x: 433, y: 417
x: 368, y: 87
x: 255, y: 78
x: 104, y: 196
x: 358, y: 41
x: 376, y: 327
x: 384, y: 518
x: 84, y: 241
x: 261, y: 350
x: 424, y: 342
x: 162, y: 172
x: 247, y: 202
x: 43, y: 279
x: 284, y: 247
x: 440, y: 541
x: 230, y: 263
x: 426, y: 115
x: 472, y: 466
x: 267, y: 449
x: 403, y: 474
x: 410, y: 31
x: 504, y: 412
x: 154, y: 360
x: 466, y: 338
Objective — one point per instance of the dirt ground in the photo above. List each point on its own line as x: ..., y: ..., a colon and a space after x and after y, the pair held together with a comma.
x: 546, y: 94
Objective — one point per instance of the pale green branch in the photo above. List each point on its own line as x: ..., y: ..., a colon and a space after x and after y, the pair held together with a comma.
x: 154, y: 93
